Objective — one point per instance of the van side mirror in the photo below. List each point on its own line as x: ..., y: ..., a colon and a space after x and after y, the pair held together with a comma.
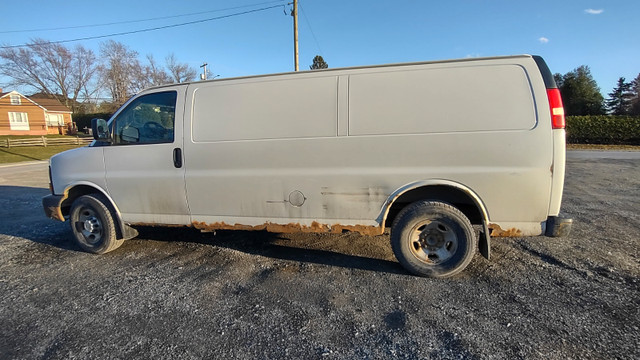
x: 100, y: 130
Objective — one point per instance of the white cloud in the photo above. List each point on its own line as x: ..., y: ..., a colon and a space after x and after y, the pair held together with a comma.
x: 543, y: 40
x: 594, y: 11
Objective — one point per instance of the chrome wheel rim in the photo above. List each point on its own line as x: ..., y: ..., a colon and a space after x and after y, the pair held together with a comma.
x: 433, y: 242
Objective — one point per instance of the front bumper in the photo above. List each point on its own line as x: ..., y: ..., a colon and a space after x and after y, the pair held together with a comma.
x: 52, y: 206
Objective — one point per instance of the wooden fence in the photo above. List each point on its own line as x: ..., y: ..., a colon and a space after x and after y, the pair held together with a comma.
x: 44, y: 141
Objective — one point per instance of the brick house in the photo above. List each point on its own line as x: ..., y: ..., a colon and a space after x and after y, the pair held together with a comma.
x: 21, y: 115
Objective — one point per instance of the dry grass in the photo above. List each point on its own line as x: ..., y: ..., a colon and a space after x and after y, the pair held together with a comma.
x: 31, y: 153
x: 603, y: 147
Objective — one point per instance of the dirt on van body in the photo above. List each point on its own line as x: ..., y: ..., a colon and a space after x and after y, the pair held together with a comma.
x: 179, y: 293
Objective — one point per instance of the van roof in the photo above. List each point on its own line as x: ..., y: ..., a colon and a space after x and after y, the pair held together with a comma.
x: 346, y: 68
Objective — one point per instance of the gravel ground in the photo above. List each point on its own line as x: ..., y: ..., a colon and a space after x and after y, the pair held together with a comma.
x: 177, y: 293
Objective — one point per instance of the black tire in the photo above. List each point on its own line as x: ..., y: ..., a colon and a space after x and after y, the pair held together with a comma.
x: 93, y: 226
x: 433, y: 239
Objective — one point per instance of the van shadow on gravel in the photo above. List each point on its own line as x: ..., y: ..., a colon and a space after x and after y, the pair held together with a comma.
x: 270, y: 245
x: 21, y: 215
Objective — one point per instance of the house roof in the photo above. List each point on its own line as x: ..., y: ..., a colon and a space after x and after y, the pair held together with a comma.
x: 50, y: 104
x: 17, y: 93
x: 42, y: 100
x: 3, y: 94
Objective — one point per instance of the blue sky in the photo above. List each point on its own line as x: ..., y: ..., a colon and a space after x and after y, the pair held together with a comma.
x: 567, y: 33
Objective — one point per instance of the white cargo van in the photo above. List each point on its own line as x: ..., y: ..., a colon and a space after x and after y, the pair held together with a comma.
x: 429, y: 150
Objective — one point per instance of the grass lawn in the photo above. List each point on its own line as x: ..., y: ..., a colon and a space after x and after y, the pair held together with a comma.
x: 603, y: 147
x: 31, y: 153
x: 15, y: 137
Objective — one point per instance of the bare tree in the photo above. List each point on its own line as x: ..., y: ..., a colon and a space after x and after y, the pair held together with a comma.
x: 156, y: 75
x: 84, y: 79
x: 50, y: 68
x: 121, y: 71
x: 181, y: 72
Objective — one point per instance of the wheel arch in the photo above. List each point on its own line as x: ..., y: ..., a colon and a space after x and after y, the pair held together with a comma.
x: 75, y: 190
x: 456, y: 194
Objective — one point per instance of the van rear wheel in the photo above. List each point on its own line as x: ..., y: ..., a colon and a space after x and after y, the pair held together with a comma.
x: 92, y: 223
x: 432, y: 238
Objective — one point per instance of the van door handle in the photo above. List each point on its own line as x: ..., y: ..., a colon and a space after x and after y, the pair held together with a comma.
x: 177, y: 157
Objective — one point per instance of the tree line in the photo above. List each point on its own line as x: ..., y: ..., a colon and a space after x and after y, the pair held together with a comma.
x: 581, y: 95
x: 78, y: 78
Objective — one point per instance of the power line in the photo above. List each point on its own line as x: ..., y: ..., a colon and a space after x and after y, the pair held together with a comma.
x: 310, y: 29
x: 148, y: 29
x: 140, y: 20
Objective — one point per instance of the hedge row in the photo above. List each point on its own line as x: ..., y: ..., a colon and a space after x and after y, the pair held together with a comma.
x: 603, y: 129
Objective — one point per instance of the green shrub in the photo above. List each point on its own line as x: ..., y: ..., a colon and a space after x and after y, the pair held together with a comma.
x: 603, y: 129
x: 84, y: 120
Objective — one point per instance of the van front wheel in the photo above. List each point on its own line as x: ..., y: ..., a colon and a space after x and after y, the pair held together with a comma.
x: 432, y: 238
x: 93, y: 225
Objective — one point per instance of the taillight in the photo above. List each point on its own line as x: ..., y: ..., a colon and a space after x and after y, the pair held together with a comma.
x: 557, y: 110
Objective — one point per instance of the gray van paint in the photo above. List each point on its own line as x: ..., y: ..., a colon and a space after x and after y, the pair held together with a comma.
x: 333, y: 150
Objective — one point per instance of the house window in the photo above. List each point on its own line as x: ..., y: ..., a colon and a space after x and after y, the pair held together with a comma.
x: 55, y: 120
x: 18, y: 121
x: 15, y: 99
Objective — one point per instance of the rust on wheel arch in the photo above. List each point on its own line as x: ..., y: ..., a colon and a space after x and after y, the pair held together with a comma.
x: 55, y: 212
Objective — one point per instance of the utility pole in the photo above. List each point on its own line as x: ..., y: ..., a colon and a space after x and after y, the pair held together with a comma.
x: 204, y: 75
x: 295, y: 33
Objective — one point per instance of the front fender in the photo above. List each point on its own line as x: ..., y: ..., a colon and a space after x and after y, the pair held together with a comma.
x: 57, y: 206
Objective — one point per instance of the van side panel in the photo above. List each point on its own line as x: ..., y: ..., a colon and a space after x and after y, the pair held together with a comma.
x: 249, y: 161
x: 274, y: 109
x: 441, y: 100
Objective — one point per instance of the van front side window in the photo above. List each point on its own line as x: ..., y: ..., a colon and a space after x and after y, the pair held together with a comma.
x: 149, y: 119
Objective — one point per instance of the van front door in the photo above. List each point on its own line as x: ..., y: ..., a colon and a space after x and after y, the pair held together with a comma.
x: 143, y: 164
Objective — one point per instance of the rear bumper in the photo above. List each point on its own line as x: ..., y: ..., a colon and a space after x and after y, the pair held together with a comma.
x: 52, y: 206
x: 558, y: 226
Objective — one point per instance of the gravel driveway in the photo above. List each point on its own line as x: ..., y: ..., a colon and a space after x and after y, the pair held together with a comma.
x: 177, y: 293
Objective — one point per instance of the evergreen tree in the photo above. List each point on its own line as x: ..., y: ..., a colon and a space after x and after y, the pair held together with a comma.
x: 619, y: 101
x: 318, y: 63
x: 635, y: 97
x: 558, y: 78
x: 580, y: 93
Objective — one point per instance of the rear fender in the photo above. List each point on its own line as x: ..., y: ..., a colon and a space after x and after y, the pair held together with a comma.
x: 485, y: 239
